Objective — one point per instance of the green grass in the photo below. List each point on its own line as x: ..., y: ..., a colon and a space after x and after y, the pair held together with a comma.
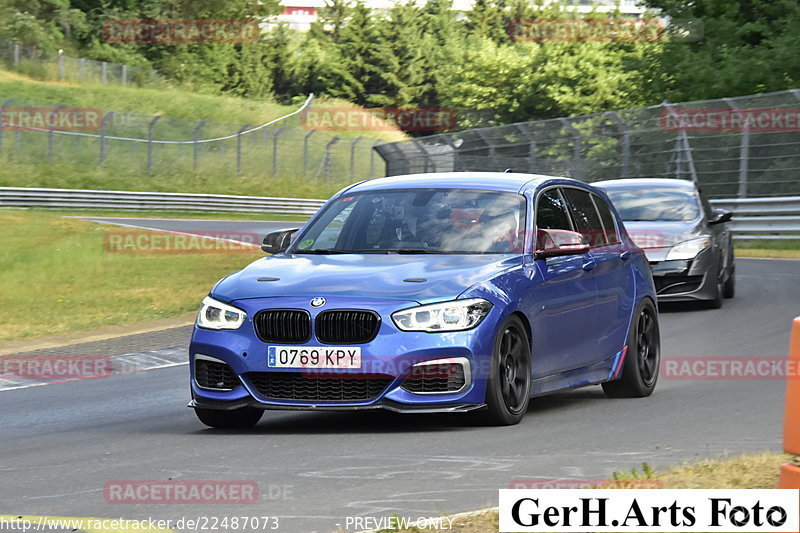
x: 74, y: 176
x: 58, y: 277
x: 166, y: 101
x: 28, y: 158
x: 778, y: 248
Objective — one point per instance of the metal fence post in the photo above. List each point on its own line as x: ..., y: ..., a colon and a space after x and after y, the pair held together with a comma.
x: 531, y: 147
x: 744, y: 151
x: 124, y: 75
x: 486, y: 141
x: 104, y: 72
x: 326, y: 164
x: 103, y: 125
x: 195, y: 144
x: 2, y: 123
x: 305, y: 150
x: 60, y: 66
x: 16, y: 54
x: 372, y: 158
x: 577, y: 163
x: 150, y: 127
x: 239, y: 148
x: 428, y: 160
x: 50, y: 134
x: 275, y: 150
x: 81, y: 68
x: 626, y: 142
x: 353, y: 157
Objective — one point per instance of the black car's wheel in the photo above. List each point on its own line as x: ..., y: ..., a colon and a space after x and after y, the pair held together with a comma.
x: 640, y: 369
x: 244, y: 417
x: 719, y: 290
x: 509, y: 388
x: 729, y: 290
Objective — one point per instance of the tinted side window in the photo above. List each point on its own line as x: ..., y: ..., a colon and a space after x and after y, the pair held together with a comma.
x: 587, y: 221
x: 551, y: 211
x: 607, y: 218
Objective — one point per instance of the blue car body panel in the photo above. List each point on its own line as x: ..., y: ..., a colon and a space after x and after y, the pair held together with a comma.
x: 578, y: 317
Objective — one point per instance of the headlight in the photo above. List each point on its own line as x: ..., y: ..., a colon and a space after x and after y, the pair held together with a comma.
x: 217, y: 315
x: 688, y: 249
x: 457, y: 315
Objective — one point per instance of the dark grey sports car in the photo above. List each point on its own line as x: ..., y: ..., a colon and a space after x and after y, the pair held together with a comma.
x: 686, y: 240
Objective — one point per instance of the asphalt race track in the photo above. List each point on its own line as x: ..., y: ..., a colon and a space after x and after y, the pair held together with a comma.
x: 60, y: 443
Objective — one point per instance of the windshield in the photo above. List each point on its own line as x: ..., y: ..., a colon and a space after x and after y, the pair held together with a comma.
x: 654, y: 204
x: 452, y: 221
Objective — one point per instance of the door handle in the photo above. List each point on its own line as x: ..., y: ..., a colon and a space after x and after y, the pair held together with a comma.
x: 625, y: 255
x: 588, y: 267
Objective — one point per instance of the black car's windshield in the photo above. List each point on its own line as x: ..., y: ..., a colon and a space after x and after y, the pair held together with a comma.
x: 419, y: 221
x: 654, y: 203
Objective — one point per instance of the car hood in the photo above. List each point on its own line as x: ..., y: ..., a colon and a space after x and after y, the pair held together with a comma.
x: 656, y: 238
x: 432, y: 277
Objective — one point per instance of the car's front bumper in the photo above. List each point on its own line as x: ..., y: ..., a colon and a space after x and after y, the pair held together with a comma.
x: 384, y: 404
x: 685, y: 280
x: 391, y: 355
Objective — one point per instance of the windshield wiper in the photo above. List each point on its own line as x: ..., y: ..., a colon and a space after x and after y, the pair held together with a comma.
x: 339, y: 252
x: 322, y: 252
x: 412, y: 251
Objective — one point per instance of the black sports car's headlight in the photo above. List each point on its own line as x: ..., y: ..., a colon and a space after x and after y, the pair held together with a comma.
x: 218, y: 315
x: 457, y: 315
x: 688, y: 249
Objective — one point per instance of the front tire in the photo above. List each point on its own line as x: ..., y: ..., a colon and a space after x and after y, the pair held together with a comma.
x: 243, y: 417
x: 642, y: 360
x: 729, y: 291
x: 716, y: 302
x: 508, y: 390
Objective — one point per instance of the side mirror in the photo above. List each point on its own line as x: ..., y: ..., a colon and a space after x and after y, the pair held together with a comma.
x: 720, y: 216
x: 278, y: 241
x: 554, y: 242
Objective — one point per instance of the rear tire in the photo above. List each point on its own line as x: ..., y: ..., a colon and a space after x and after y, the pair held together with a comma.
x: 642, y: 360
x: 244, y: 417
x: 508, y: 390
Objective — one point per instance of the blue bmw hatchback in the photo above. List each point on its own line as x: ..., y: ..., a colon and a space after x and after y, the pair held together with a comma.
x: 447, y: 292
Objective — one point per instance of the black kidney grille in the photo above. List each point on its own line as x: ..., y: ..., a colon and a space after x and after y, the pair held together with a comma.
x: 447, y: 377
x: 283, y: 325
x: 214, y: 375
x: 319, y: 387
x: 346, y: 326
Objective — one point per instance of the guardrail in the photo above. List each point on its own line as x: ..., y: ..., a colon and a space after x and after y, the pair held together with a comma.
x: 763, y: 218
x: 72, y: 198
x: 754, y: 218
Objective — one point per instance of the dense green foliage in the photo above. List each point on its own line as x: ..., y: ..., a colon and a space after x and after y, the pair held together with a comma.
x: 427, y: 55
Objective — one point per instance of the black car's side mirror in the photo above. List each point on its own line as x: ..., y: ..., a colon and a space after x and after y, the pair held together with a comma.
x: 720, y: 216
x: 278, y: 241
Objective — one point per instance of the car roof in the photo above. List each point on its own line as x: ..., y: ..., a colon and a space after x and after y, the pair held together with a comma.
x: 674, y: 183
x: 492, y: 181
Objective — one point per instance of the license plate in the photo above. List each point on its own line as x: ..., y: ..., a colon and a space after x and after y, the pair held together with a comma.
x: 313, y: 357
